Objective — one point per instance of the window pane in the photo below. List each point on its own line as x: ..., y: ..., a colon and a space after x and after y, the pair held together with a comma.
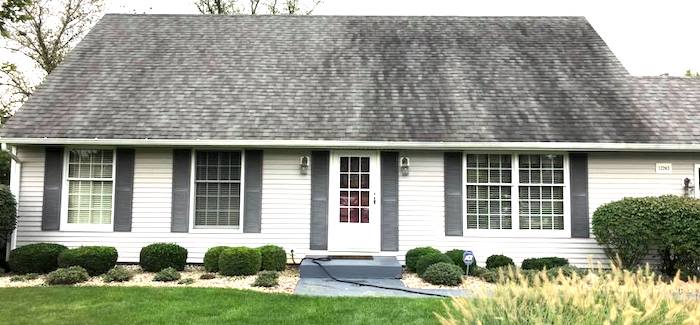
x: 89, y: 202
x: 218, y: 188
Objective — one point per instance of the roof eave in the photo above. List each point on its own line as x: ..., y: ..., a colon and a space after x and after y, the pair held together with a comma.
x: 335, y: 144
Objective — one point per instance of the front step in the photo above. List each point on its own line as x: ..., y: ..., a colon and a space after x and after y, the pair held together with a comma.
x: 352, y: 267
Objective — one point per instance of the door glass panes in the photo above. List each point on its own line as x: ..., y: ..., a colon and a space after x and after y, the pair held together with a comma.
x: 354, y: 189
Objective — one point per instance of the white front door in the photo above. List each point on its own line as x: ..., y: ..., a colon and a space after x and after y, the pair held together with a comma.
x: 353, y: 219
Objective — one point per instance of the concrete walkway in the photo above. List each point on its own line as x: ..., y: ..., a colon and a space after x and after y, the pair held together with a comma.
x: 329, y: 287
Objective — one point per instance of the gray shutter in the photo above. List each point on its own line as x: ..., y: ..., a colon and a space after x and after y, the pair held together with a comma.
x: 390, y: 201
x: 453, y: 194
x: 319, y: 199
x: 182, y: 164
x: 578, y: 169
x: 53, y: 180
x: 252, y: 204
x: 123, y: 189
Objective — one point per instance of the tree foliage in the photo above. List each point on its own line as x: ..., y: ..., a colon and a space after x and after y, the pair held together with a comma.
x: 690, y: 74
x: 256, y: 7
x: 48, y: 30
x: 12, y: 11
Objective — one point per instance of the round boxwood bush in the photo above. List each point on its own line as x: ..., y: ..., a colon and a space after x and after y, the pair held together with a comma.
x: 496, y: 261
x: 211, y: 258
x: 274, y: 258
x: 443, y: 274
x: 239, y: 261
x: 430, y: 259
x: 95, y: 260
x: 35, y: 258
x: 159, y: 256
x: 70, y: 275
x: 457, y: 257
x: 413, y: 255
x: 543, y: 263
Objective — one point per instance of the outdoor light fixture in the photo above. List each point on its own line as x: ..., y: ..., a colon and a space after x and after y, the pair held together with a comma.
x: 404, y: 166
x: 304, y: 165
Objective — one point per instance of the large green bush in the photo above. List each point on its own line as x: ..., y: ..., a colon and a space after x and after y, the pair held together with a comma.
x: 239, y: 261
x: 158, y: 256
x: 35, y: 258
x: 632, y: 227
x: 8, y: 213
x: 413, y: 255
x: 443, y: 274
x: 274, y: 258
x: 211, y: 258
x: 95, y: 259
x: 496, y: 261
x: 429, y: 259
x: 543, y: 263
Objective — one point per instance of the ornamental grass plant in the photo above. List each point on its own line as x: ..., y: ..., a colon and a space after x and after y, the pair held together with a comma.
x: 600, y: 296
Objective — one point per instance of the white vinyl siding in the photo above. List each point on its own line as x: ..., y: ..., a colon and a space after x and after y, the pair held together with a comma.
x: 286, y: 205
x: 286, y: 198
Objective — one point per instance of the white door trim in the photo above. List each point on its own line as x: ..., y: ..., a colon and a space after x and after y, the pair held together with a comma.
x: 696, y: 180
x: 354, y: 237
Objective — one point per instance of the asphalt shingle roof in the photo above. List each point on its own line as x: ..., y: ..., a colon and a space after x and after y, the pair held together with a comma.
x: 442, y: 79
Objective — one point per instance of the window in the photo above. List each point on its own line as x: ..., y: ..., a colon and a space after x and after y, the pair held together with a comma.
x: 217, y: 189
x: 541, y: 193
x: 531, y: 184
x: 90, y: 186
x: 489, y: 179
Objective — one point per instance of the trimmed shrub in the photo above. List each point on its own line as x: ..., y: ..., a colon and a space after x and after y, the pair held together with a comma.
x: 35, y: 258
x: 266, y: 279
x: 69, y: 275
x: 239, y: 261
x: 430, y: 259
x: 95, y: 259
x: 413, y: 255
x: 496, y: 261
x: 457, y: 257
x: 629, y: 228
x: 8, y: 213
x: 211, y: 258
x: 159, y: 256
x: 443, y: 274
x: 117, y: 274
x: 274, y: 258
x: 167, y: 274
x: 543, y: 263
x: 186, y: 281
x: 207, y: 276
x: 489, y: 275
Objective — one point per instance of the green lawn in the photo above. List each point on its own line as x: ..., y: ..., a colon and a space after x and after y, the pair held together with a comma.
x: 129, y: 305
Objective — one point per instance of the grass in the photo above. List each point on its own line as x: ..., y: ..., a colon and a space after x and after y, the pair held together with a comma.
x: 137, y: 305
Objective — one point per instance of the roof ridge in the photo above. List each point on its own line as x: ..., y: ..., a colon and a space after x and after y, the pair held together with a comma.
x: 348, y: 16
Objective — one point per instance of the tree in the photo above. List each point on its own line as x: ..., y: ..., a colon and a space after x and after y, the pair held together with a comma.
x: 255, y: 7
x: 690, y: 74
x: 51, y: 28
x: 12, y: 11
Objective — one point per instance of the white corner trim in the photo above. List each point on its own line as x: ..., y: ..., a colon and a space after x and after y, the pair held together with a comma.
x: 335, y: 144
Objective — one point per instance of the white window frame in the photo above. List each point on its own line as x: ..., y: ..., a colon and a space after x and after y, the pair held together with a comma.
x: 515, y: 200
x: 64, y: 193
x: 215, y: 229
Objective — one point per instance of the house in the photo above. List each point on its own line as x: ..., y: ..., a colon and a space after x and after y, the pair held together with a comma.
x: 345, y: 135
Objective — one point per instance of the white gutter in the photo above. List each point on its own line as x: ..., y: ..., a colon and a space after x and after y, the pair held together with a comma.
x: 334, y: 144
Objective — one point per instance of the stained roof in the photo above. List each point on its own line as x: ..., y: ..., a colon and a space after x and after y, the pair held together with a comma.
x: 433, y: 79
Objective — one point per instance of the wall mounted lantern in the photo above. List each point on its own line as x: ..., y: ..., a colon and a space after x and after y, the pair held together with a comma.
x: 405, y: 164
x: 304, y: 165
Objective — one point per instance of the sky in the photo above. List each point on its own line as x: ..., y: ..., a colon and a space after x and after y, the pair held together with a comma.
x: 649, y: 37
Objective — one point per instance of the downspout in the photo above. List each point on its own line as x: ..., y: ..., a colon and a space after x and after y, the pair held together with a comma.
x: 15, y: 170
